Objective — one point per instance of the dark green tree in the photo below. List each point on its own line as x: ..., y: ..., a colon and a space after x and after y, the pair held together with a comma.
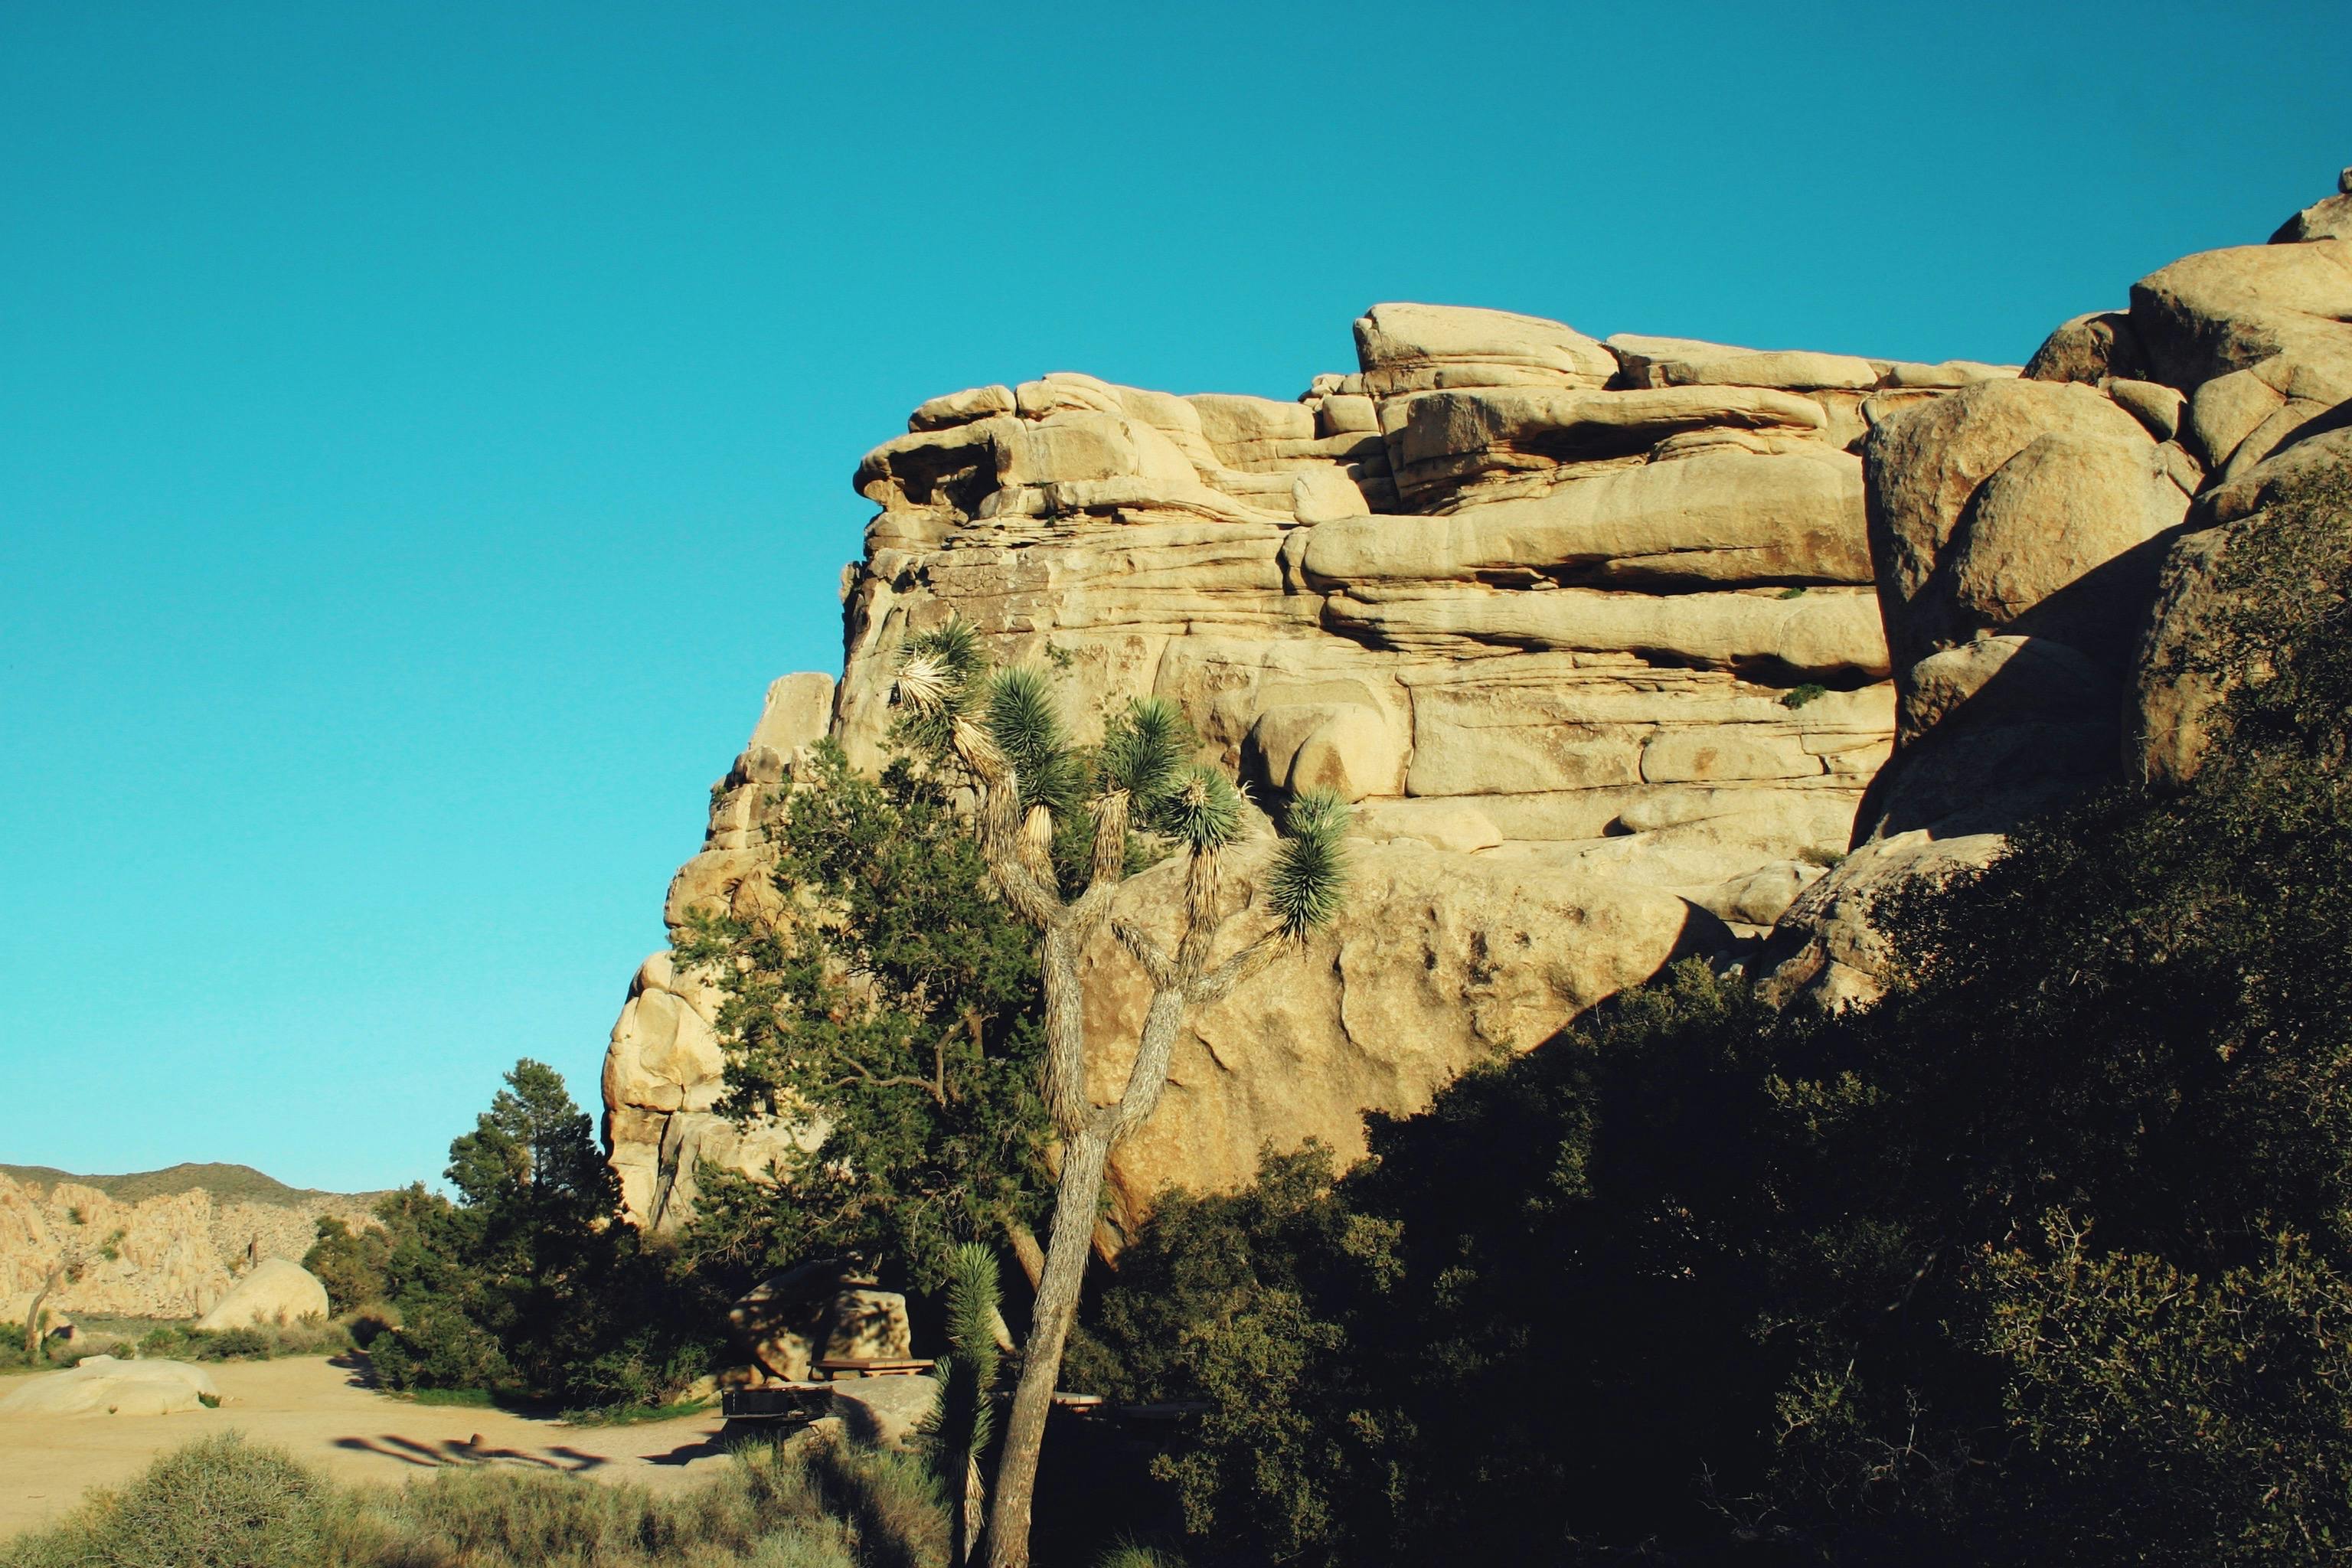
x: 528, y: 1282
x: 890, y: 1008
x: 350, y: 1263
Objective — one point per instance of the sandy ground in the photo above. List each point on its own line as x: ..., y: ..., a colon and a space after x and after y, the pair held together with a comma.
x: 318, y: 1410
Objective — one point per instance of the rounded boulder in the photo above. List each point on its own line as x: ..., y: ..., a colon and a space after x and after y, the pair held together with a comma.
x: 275, y: 1294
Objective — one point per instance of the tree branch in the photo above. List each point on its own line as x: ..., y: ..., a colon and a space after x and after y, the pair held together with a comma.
x: 1157, y: 964
x: 866, y: 1075
x: 1149, y: 1076
x: 1219, y: 982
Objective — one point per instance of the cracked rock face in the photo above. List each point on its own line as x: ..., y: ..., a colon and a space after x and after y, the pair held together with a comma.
x: 1605, y: 639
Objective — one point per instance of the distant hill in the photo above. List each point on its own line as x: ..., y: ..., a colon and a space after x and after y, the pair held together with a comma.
x: 227, y: 1184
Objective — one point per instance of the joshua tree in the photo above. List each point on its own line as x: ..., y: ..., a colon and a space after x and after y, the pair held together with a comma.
x: 36, y: 1319
x: 1003, y: 727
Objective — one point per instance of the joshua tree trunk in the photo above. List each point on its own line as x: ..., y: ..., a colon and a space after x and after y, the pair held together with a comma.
x: 1143, y: 764
x: 33, y: 1313
x: 1075, y: 1203
x: 1089, y: 1134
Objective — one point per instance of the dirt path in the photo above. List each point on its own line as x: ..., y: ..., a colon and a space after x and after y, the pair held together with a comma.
x: 320, y: 1411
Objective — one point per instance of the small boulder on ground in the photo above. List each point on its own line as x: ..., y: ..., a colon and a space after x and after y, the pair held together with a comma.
x: 275, y: 1294
x: 102, y: 1386
x: 817, y: 1312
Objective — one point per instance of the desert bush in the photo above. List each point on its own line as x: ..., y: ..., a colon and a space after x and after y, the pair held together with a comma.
x: 438, y: 1346
x: 220, y: 1502
x: 11, y: 1349
x: 250, y: 1341
x: 226, y: 1503
x: 350, y: 1264
x: 1243, y: 1301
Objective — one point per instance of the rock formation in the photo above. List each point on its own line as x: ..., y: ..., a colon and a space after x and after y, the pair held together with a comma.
x: 102, y: 1386
x: 173, y: 1255
x: 1611, y: 642
x: 2041, y: 546
x: 1586, y: 629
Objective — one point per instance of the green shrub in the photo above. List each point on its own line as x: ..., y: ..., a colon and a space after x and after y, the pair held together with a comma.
x: 350, y: 1264
x: 439, y: 1346
x: 1129, y: 1554
x: 244, y: 1343
x: 645, y: 1370
x: 1799, y: 696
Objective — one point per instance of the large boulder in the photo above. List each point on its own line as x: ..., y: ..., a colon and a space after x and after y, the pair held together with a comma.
x: 1415, y: 348
x: 1984, y: 505
x: 2284, y: 311
x: 885, y: 1412
x: 276, y: 1293
x: 2051, y: 593
x: 102, y: 1386
x: 819, y: 1311
x: 2330, y: 218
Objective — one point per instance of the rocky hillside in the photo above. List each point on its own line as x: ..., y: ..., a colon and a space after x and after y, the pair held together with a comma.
x: 159, y: 1244
x: 1626, y: 649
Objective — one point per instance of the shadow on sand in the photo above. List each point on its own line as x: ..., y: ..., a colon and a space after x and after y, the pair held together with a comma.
x: 456, y: 1453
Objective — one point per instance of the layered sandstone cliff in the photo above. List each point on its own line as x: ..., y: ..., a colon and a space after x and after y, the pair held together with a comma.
x: 1611, y: 642
x: 1586, y: 629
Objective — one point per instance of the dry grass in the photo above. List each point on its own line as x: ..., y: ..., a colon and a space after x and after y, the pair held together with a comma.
x: 226, y: 1503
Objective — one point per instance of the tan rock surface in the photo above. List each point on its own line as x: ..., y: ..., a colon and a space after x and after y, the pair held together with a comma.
x: 276, y: 1293
x: 1554, y: 614
x: 2328, y: 218
x: 102, y: 1386
x: 1413, y: 348
x: 1441, y: 961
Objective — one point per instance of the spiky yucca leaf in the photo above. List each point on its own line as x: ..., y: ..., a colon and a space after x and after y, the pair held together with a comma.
x: 1307, y: 878
x: 938, y: 674
x: 1026, y: 725
x: 1144, y: 749
x: 958, y: 1426
x: 1314, y: 811
x: 1204, y: 812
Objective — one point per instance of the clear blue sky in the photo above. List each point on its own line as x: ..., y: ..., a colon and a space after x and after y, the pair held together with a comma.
x: 424, y: 429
